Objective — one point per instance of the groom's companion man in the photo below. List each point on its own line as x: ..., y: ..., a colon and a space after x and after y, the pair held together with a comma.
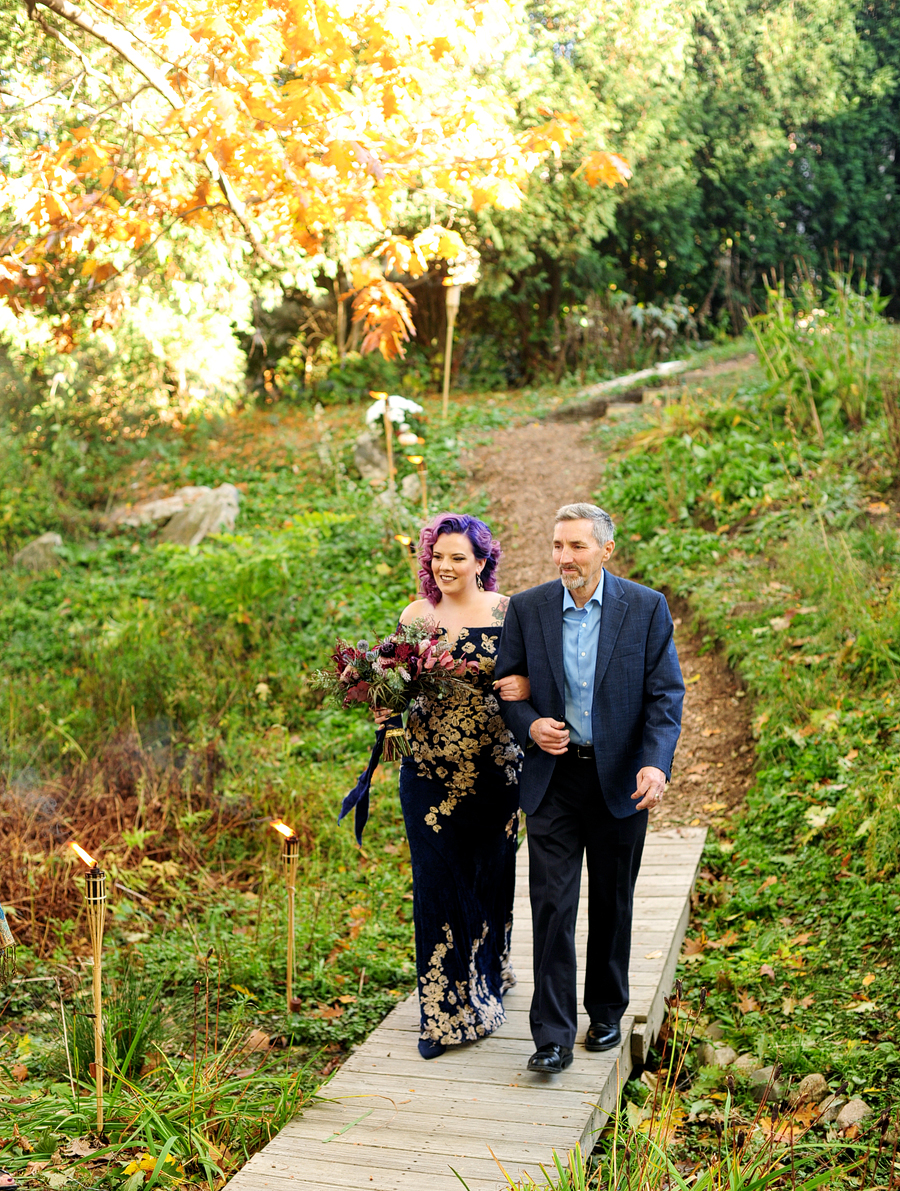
x: 599, y: 732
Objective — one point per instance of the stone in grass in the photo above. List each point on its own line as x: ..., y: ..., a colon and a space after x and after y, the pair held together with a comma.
x: 763, y: 1088
x: 832, y: 1110
x: 41, y: 554
x: 812, y: 1089
x: 214, y: 512
x: 852, y: 1113
x: 715, y: 1056
x: 745, y: 1064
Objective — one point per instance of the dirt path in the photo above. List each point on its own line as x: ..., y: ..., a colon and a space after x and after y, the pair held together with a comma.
x: 529, y: 471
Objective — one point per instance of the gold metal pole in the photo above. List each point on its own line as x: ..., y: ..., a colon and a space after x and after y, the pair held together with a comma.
x: 453, y: 292
x: 95, y: 899
x: 418, y: 461
x: 389, y: 445
x: 290, y: 857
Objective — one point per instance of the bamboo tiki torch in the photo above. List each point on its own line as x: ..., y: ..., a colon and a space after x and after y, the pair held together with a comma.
x: 290, y: 857
x: 409, y: 551
x: 7, y: 951
x: 95, y: 902
x: 418, y: 462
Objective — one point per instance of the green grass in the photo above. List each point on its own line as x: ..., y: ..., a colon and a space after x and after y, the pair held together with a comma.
x: 788, y: 551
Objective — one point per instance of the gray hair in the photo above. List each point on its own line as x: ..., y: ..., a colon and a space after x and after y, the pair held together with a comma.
x: 601, y: 523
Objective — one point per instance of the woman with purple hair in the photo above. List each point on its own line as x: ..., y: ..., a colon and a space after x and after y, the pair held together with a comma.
x: 459, y: 792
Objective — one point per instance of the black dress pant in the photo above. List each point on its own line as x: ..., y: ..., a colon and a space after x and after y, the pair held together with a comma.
x: 573, y: 819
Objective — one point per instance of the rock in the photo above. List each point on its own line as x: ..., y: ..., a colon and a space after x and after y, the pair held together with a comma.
x: 748, y: 609
x: 583, y: 412
x: 370, y: 458
x: 852, y: 1113
x: 214, y: 512
x: 150, y: 512
x: 760, y: 1089
x: 745, y: 1064
x: 41, y: 554
x: 832, y: 1109
x: 411, y: 488
x: 812, y: 1089
x: 715, y: 1056
x: 705, y: 1054
x: 715, y: 1032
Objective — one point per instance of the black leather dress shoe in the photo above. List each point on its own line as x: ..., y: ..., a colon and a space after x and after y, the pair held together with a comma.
x: 551, y: 1059
x: 602, y: 1036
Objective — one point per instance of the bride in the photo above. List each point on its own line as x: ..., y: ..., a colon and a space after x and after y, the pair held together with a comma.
x: 459, y: 793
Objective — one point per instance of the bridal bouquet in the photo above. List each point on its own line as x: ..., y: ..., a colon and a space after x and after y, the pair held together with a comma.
x: 391, y: 673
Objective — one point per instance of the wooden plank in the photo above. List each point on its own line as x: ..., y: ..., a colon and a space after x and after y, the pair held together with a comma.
x: 391, y: 1122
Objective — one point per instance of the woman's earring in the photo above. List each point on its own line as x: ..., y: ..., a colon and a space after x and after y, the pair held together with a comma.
x: 479, y: 581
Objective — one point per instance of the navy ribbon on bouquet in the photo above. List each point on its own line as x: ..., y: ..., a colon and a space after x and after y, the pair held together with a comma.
x: 359, y: 795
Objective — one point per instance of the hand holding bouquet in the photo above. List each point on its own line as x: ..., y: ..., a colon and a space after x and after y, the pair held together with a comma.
x: 409, y: 662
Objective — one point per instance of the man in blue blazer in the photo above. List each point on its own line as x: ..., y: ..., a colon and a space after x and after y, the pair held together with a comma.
x: 599, y: 731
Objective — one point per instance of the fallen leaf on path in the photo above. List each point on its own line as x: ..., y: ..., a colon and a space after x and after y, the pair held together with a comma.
x: 878, y: 508
x: 711, y: 732
x: 802, y: 939
x: 747, y: 1004
x: 860, y: 1007
x: 769, y: 881
x: 691, y: 681
x: 767, y: 970
x: 805, y: 1002
x: 788, y: 1005
x: 653, y: 955
x: 868, y: 979
x: 714, y: 806
x: 19, y: 1072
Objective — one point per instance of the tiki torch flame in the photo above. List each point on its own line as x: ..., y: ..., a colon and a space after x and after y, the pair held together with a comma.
x: 402, y: 539
x: 85, y: 856
x: 287, y: 832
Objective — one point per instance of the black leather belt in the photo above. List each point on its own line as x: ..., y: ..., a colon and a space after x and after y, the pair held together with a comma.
x: 581, y: 752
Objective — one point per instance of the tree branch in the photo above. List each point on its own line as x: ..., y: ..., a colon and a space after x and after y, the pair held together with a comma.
x: 118, y: 41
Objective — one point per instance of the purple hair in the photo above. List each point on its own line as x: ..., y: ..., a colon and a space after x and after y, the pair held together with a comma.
x: 483, y: 546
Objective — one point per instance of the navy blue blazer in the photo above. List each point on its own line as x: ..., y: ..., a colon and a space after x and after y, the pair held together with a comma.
x: 638, y: 688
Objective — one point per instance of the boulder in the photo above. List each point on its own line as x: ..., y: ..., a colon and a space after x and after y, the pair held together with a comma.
x: 150, y: 512
x: 715, y: 1032
x: 214, y: 512
x: 763, y: 1088
x: 411, y: 488
x: 370, y: 458
x: 41, y: 554
x: 812, y: 1089
x: 852, y: 1113
x: 832, y: 1109
x: 746, y: 1064
x: 715, y: 1056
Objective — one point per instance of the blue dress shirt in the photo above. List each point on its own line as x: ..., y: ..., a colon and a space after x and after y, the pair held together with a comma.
x: 581, y: 638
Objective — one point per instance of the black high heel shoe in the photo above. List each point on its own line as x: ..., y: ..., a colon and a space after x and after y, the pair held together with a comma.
x: 429, y: 1049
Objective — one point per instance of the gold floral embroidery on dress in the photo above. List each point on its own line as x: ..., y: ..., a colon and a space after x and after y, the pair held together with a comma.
x: 447, y: 735
x: 468, y: 1010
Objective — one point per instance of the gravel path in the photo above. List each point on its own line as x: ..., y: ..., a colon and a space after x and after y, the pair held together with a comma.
x: 528, y: 472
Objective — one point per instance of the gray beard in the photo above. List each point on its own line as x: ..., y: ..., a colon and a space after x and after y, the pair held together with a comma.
x: 574, y: 582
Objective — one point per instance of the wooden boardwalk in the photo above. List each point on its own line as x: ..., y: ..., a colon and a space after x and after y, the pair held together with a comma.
x: 391, y: 1121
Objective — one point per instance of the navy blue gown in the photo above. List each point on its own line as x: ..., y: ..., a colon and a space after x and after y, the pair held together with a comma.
x: 459, y: 793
